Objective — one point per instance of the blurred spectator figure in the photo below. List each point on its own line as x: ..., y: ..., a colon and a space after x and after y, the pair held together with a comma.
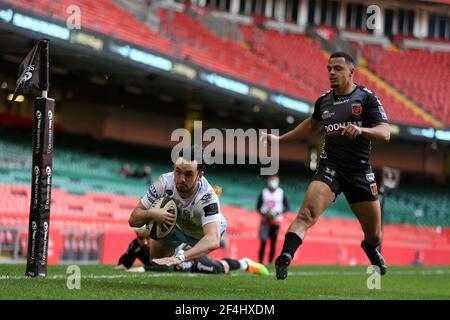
x: 146, y: 174
x: 418, y: 260
x: 438, y: 230
x: 272, y: 204
x: 126, y: 171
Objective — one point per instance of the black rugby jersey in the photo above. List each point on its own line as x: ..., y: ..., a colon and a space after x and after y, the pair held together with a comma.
x: 362, y: 108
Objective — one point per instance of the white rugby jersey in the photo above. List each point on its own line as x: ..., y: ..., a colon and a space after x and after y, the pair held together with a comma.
x: 194, y: 212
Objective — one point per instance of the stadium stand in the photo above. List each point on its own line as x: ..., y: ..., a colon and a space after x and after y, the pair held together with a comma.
x: 91, y: 168
x: 272, y: 60
x: 87, y: 216
x: 400, y: 68
x: 290, y: 51
x: 90, y: 201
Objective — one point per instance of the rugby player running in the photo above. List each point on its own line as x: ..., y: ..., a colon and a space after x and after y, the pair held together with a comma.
x: 352, y: 116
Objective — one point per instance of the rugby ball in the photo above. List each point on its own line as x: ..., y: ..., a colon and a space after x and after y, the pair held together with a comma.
x: 159, y: 230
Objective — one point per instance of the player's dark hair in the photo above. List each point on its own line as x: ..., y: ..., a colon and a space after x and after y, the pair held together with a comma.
x: 194, y: 152
x: 339, y: 54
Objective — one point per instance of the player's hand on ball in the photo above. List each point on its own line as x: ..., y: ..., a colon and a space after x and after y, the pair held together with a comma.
x: 267, y: 138
x: 163, y: 216
x: 169, y: 261
x: 351, y: 131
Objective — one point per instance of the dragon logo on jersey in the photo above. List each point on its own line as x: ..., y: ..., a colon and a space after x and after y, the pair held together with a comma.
x: 356, y: 108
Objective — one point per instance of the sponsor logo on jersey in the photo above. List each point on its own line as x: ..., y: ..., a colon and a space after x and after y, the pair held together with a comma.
x: 211, y: 209
x: 327, y: 114
x: 151, y: 193
x: 340, y: 101
x: 330, y: 172
x: 356, y: 108
x: 374, y: 189
x: 206, y: 197
x: 334, y: 128
x: 202, y: 267
x: 370, y: 177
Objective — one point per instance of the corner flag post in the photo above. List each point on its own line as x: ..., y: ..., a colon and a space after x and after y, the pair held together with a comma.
x: 34, y: 75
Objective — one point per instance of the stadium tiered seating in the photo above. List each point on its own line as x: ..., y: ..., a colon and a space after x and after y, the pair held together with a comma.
x: 86, y: 206
x: 97, y: 213
x: 291, y: 64
x: 104, y: 17
x: 303, y: 58
x: 189, y: 40
x: 421, y: 75
x: 202, y: 47
x: 83, y: 170
x: 297, y: 55
x: 395, y: 109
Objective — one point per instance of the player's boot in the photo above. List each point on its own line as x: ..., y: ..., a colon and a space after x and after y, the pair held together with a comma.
x: 281, y: 265
x: 255, y: 267
x: 374, y: 256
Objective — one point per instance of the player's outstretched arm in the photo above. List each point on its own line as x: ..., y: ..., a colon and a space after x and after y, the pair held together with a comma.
x: 209, y: 242
x: 305, y: 129
x: 141, y: 215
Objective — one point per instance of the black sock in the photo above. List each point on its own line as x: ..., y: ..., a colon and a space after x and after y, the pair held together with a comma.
x: 234, y: 264
x: 291, y: 243
x: 369, y: 247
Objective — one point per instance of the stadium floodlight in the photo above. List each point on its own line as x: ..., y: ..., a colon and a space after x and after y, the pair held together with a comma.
x: 34, y: 75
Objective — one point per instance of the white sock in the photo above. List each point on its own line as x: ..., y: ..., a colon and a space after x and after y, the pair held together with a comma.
x: 244, y: 265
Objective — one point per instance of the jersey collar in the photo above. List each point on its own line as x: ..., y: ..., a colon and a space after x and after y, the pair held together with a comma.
x: 335, y: 96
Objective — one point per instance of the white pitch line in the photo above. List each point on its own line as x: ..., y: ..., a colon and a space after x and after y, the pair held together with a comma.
x: 177, y: 274
x: 355, y: 273
x: 117, y: 276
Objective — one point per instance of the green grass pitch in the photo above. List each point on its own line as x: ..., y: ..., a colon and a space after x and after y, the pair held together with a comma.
x: 303, y: 282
